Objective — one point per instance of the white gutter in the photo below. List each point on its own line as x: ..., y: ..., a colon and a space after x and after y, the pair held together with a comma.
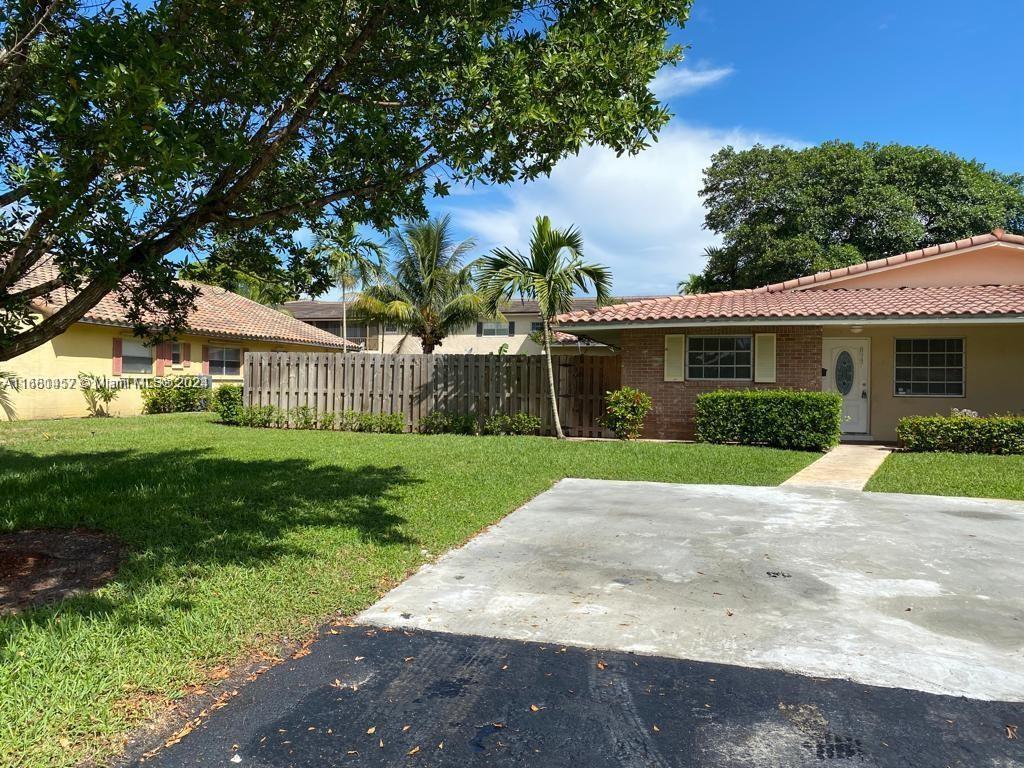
x: 972, y: 320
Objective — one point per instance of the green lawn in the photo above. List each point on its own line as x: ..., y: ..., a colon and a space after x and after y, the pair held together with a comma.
x: 236, y: 537
x: 951, y: 474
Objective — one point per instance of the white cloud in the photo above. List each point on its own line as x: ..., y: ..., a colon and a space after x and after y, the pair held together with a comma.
x: 682, y: 81
x: 641, y: 216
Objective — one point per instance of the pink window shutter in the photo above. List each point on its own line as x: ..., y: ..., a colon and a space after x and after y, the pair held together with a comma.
x: 186, y: 355
x: 116, y: 356
x: 163, y: 357
x: 206, y: 360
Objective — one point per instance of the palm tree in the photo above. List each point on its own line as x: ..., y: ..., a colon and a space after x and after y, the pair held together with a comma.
x: 551, y: 274
x: 8, y: 384
x: 354, y: 260
x: 429, y: 293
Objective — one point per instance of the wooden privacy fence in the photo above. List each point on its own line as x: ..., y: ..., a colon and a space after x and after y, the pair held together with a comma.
x: 415, y: 385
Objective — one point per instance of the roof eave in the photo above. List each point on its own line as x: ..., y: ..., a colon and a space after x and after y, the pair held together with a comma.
x: 1004, y: 319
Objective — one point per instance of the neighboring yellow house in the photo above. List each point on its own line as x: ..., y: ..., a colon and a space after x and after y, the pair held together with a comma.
x: 222, y: 328
x: 516, y: 333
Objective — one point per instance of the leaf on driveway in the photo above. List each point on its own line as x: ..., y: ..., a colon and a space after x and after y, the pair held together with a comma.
x: 372, y: 729
x: 601, y: 665
x: 413, y: 751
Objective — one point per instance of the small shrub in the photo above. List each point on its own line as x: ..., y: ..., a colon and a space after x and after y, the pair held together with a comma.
x: 227, y: 402
x: 440, y: 422
x: 262, y: 416
x: 326, y: 420
x: 98, y: 394
x: 390, y: 423
x: 959, y: 433
x: 780, y: 418
x: 304, y: 417
x: 624, y: 412
x: 174, y: 395
x: 516, y: 424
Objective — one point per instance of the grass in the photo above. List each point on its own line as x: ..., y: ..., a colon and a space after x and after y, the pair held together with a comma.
x: 951, y: 474
x: 236, y: 538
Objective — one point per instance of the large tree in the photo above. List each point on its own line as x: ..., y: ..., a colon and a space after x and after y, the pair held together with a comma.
x: 785, y: 212
x: 132, y: 133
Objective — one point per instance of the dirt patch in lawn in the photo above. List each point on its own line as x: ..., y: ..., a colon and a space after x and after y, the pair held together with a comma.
x: 40, y: 566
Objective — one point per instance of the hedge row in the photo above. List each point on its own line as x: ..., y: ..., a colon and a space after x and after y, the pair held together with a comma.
x: 781, y: 418
x: 173, y: 395
x: 962, y: 434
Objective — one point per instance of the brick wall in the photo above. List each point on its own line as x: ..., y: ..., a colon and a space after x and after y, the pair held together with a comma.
x: 798, y: 366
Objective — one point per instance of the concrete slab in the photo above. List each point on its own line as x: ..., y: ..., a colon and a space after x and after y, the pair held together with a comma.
x: 849, y: 466
x: 917, y: 592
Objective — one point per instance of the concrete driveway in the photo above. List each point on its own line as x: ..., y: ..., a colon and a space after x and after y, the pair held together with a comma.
x: 610, y: 624
x: 918, y: 592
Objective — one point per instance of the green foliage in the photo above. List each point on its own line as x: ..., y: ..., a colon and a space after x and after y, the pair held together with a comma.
x: 440, y: 422
x: 786, y: 212
x: 962, y: 434
x: 174, y: 395
x: 514, y: 424
x: 8, y: 384
x: 227, y: 403
x: 624, y: 412
x: 98, y: 392
x: 326, y: 420
x: 552, y: 274
x: 216, y: 270
x: 429, y: 292
x: 303, y: 417
x: 131, y: 131
x: 808, y: 421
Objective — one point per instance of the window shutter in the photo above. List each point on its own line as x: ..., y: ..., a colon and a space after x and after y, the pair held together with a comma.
x: 675, y: 357
x: 116, y: 356
x: 163, y: 356
x: 511, y: 327
x: 206, y: 360
x: 764, y: 358
x: 186, y: 355
x: 479, y: 329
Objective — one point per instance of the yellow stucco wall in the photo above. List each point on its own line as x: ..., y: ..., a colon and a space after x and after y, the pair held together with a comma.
x: 49, y: 373
x: 993, y: 372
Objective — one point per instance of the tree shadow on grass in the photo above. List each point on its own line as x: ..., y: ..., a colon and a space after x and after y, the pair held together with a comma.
x: 181, y: 512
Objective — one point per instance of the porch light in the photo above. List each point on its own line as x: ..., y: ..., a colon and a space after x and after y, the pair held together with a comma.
x: 856, y: 328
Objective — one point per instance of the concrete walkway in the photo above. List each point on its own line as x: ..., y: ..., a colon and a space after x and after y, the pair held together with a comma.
x: 849, y: 466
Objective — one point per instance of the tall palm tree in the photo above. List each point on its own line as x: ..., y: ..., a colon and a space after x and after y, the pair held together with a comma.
x: 429, y: 292
x: 551, y: 274
x: 354, y: 260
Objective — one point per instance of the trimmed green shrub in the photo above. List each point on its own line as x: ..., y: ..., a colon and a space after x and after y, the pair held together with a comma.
x: 304, y: 417
x: 326, y: 420
x: 389, y: 423
x: 624, y: 412
x: 227, y: 402
x: 781, y: 418
x: 174, y: 395
x: 962, y: 434
x: 262, y: 416
x: 440, y: 422
x: 516, y: 424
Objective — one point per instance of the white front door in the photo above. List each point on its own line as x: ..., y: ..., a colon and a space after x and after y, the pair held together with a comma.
x: 846, y: 369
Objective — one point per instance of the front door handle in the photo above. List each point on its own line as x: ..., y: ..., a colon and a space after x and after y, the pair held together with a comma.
x: 864, y: 394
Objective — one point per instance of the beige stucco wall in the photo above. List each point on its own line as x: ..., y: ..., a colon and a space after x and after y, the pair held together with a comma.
x: 996, y: 264
x: 49, y: 373
x: 993, y: 371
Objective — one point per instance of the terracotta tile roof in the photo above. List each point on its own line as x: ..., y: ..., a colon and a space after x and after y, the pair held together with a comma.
x: 834, y: 303
x: 995, y: 236
x: 331, y: 310
x: 218, y: 312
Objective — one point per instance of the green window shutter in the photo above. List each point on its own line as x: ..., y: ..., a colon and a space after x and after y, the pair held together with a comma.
x: 675, y: 357
x: 764, y: 358
x: 511, y: 327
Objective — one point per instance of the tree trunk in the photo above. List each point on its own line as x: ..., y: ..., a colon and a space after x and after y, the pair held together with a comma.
x: 428, y: 346
x: 551, y: 382
x: 344, y: 313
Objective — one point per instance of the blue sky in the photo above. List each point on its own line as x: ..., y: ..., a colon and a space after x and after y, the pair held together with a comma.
x: 936, y: 72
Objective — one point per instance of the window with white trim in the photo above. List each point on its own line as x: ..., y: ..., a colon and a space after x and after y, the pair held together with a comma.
x: 929, y: 367
x: 176, y: 353
x: 495, y: 328
x: 537, y: 326
x: 136, y: 357
x: 225, y: 361
x: 719, y: 357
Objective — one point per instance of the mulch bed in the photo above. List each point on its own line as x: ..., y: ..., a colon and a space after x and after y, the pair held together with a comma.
x: 41, y: 565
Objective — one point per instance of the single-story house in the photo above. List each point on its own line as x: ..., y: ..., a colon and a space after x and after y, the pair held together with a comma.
x: 221, y: 329
x: 517, y: 332
x: 917, y: 333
